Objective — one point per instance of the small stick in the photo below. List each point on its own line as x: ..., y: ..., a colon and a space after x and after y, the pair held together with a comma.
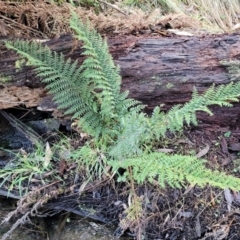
x: 113, y: 6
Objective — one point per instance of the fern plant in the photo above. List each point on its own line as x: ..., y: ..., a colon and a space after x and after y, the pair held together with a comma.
x: 91, y: 94
x: 173, y: 170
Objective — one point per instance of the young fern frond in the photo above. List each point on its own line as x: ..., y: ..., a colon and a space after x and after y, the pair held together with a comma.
x: 113, y: 102
x: 174, y: 170
x: 132, y: 137
x: 107, y: 75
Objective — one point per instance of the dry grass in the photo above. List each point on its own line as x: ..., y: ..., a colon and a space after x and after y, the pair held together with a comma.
x: 41, y: 19
x: 217, y: 15
x: 45, y: 20
x: 32, y: 19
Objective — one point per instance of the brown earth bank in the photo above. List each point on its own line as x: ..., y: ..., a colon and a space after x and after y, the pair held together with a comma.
x: 159, y: 68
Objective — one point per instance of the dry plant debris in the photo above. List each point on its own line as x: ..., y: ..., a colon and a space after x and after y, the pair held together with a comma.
x: 33, y: 19
x: 12, y: 96
x: 218, y: 15
x: 46, y: 20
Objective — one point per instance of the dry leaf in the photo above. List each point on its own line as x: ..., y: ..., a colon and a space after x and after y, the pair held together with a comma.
x: 212, y: 199
x: 166, y: 220
x: 198, y: 227
x: 224, y: 145
x: 226, y: 161
x: 62, y: 167
x: 190, y: 187
x: 229, y: 198
x: 180, y: 33
x: 165, y: 150
x: 186, y: 214
x: 117, y: 203
x: 82, y: 187
x: 234, y: 147
x: 48, y: 156
x: 236, y: 27
x: 187, y: 141
x: 236, y: 196
x: 203, y: 151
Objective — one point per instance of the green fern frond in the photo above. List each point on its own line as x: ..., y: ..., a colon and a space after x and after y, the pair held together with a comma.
x: 61, y: 77
x: 112, y: 100
x: 175, y: 119
x: 98, y: 52
x: 148, y: 129
x: 175, y: 170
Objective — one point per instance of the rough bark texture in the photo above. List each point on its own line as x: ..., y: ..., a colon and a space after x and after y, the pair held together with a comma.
x: 157, y: 70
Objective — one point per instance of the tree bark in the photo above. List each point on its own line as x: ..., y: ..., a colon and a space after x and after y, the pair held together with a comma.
x: 157, y: 70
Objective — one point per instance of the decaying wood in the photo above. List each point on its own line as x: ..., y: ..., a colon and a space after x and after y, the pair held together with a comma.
x: 156, y: 70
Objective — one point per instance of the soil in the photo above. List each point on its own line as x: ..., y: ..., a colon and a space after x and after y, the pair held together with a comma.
x: 187, y: 213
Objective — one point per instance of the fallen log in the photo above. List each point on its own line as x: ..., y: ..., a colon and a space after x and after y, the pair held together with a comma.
x: 157, y: 70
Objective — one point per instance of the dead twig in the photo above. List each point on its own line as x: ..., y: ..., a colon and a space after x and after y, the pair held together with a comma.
x: 113, y: 6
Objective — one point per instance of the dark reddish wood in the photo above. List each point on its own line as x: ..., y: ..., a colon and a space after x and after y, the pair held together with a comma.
x: 157, y: 70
